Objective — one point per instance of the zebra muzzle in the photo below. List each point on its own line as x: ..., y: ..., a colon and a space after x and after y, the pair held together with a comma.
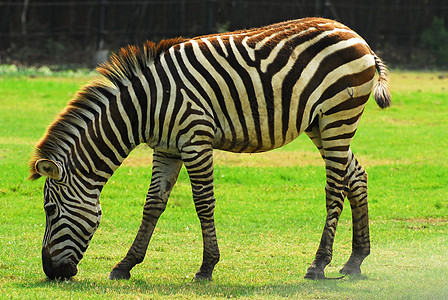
x: 60, y: 270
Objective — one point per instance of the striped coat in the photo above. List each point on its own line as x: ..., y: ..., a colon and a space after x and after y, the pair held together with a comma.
x: 246, y: 91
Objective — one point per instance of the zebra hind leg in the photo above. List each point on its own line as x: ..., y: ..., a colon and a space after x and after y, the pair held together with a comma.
x: 357, y: 196
x: 335, y: 156
x: 335, y: 195
x: 164, y: 175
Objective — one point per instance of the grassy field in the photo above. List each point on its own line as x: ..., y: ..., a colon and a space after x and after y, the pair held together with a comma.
x: 270, y: 208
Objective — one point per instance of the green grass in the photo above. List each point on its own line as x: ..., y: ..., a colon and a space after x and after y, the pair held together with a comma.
x: 269, y: 219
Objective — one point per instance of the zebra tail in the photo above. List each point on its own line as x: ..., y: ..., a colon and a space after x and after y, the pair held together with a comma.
x: 381, y: 91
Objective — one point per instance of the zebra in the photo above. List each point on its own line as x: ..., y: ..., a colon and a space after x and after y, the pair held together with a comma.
x: 250, y: 91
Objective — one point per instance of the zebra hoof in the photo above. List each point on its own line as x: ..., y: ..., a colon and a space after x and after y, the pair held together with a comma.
x: 314, y: 274
x: 202, y: 277
x: 350, y: 270
x: 118, y: 274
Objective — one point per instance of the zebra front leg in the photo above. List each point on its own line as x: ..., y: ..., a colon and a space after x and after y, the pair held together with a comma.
x: 360, y: 218
x: 164, y: 175
x: 199, y: 164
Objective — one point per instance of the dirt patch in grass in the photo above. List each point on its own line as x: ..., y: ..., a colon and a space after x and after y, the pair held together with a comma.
x: 406, y: 82
x: 268, y: 159
x: 424, y: 220
x: 284, y: 159
x: 401, y: 122
x: 142, y: 157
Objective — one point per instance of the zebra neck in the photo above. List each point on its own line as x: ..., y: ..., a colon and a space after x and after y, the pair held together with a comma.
x: 112, y: 129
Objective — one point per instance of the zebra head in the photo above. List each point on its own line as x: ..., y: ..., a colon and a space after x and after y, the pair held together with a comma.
x: 71, y: 220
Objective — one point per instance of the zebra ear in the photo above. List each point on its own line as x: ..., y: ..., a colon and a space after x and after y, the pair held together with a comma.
x: 49, y: 168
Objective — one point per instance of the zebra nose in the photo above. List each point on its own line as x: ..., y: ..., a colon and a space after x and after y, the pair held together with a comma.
x: 63, y: 270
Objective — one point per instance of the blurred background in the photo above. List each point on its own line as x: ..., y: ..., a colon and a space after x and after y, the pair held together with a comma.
x: 409, y: 34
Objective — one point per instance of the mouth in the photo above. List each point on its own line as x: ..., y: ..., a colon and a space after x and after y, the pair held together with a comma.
x: 61, y: 271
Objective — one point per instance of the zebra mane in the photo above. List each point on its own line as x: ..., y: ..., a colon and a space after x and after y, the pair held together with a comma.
x: 131, y: 60
x: 121, y: 68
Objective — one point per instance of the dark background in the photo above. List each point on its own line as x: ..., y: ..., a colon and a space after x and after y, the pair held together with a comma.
x: 406, y: 33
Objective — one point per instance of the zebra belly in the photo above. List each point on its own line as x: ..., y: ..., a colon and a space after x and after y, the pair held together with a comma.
x: 260, y: 142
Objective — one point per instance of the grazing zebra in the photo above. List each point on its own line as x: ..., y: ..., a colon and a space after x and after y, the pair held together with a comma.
x: 246, y: 91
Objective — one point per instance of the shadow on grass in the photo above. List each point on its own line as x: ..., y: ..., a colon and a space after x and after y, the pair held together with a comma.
x: 189, y: 288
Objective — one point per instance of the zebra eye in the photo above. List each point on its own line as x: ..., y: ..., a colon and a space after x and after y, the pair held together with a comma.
x: 50, y: 208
